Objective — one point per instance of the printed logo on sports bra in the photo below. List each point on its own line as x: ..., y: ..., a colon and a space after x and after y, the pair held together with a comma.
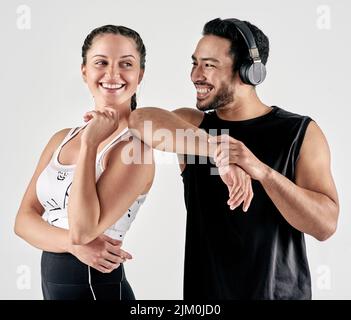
x: 61, y: 175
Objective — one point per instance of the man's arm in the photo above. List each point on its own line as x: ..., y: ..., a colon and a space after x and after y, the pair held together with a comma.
x: 311, y: 203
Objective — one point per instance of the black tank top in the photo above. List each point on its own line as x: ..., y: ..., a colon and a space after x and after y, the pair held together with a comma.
x: 236, y: 255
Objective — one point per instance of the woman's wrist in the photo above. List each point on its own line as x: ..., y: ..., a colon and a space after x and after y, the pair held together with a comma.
x: 89, y: 146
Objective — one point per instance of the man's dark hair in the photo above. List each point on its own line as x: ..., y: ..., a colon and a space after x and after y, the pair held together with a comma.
x: 238, y: 49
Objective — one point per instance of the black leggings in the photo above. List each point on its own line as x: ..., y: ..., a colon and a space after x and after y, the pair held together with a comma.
x: 64, y: 277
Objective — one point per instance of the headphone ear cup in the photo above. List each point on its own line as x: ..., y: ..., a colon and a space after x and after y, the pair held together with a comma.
x: 244, y: 73
x: 256, y: 73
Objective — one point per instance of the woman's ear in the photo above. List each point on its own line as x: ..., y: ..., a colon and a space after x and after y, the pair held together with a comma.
x: 83, y: 71
x: 141, y: 75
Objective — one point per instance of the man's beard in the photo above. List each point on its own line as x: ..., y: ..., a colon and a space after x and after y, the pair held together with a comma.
x: 221, y: 99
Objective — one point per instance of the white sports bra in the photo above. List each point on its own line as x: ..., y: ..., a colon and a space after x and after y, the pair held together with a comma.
x: 54, y: 183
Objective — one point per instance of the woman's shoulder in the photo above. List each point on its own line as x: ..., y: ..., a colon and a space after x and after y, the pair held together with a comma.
x: 51, y: 146
x: 60, y: 135
x: 57, y: 138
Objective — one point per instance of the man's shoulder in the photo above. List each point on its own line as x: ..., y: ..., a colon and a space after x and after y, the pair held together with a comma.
x: 282, y: 113
x: 292, y: 123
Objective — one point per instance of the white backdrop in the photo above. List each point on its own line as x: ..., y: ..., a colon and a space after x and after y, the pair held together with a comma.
x: 42, y: 92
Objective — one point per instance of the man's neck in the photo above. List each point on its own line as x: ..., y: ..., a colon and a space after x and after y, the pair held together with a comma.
x: 243, y: 108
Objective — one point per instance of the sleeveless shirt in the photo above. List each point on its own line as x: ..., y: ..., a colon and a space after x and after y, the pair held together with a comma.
x: 236, y: 255
x: 54, y: 183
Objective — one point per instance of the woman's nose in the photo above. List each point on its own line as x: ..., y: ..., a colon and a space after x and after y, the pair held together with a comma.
x: 113, y: 72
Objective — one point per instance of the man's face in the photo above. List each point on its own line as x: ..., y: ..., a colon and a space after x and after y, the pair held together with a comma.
x: 212, y: 73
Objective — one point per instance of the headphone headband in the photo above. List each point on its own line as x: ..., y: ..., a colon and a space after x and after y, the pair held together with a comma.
x: 248, y: 37
x: 253, y: 72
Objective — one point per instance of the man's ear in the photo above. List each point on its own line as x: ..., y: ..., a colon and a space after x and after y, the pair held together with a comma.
x: 141, y: 75
x: 237, y: 79
x: 83, y: 71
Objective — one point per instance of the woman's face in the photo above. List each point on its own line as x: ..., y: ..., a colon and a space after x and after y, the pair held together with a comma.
x: 112, y: 70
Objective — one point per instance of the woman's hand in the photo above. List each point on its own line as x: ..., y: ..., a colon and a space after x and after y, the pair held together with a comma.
x: 103, y: 254
x: 101, y: 125
x: 239, y: 186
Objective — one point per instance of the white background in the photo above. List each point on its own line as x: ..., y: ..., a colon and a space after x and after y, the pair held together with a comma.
x: 42, y: 92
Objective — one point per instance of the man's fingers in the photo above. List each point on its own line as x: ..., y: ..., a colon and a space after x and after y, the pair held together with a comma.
x: 226, y: 158
x: 218, y: 139
x: 224, y: 170
x: 222, y: 159
x: 222, y: 149
x: 224, y: 145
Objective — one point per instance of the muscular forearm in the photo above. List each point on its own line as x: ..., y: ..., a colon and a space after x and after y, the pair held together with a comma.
x: 83, y: 205
x: 32, y: 228
x: 165, y: 131
x: 310, y: 212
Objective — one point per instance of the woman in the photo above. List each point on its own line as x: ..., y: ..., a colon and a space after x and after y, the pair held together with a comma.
x: 88, y: 193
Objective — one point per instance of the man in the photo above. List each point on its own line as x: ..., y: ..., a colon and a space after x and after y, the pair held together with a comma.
x: 260, y: 254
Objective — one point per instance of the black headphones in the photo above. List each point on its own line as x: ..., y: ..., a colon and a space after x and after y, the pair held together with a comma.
x: 252, y: 71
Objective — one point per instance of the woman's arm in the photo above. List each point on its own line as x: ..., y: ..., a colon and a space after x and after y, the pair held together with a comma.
x: 29, y: 224
x: 103, y: 253
x: 94, y: 207
x: 177, y: 131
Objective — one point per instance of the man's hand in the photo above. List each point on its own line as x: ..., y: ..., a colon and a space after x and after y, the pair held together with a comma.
x: 232, y: 151
x: 239, y: 186
x: 103, y: 254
